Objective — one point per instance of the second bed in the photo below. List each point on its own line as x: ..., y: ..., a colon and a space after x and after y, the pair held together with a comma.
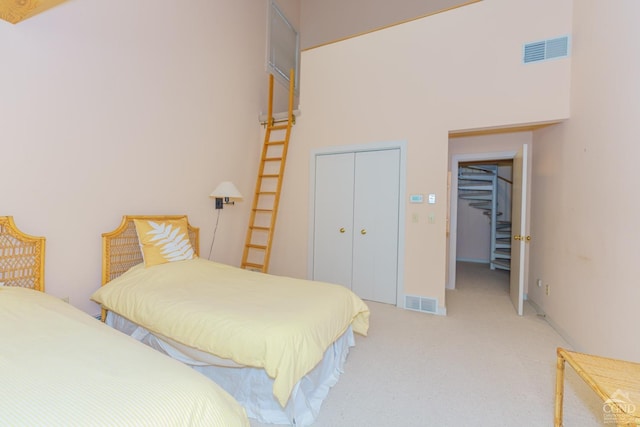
x: 277, y: 344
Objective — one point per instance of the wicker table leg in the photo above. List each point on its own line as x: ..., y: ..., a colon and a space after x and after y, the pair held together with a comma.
x: 559, y: 390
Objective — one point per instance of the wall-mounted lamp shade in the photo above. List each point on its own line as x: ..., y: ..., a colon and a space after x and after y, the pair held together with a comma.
x: 225, y: 191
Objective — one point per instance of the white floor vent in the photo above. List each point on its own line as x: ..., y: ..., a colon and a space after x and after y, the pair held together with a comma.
x: 427, y: 305
x: 546, y: 49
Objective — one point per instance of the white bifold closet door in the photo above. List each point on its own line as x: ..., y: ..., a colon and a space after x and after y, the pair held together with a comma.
x: 356, y: 213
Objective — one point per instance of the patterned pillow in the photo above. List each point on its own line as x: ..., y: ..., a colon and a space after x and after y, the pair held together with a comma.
x: 164, y: 241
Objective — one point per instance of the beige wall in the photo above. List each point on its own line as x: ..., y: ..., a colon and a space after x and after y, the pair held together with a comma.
x: 416, y: 82
x: 118, y: 107
x: 474, y: 234
x: 585, y: 201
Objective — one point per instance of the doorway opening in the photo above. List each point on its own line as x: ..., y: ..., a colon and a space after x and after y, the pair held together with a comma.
x: 458, y: 162
x: 484, y: 213
x: 519, y: 208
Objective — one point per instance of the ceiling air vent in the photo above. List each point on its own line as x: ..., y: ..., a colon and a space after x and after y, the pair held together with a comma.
x: 546, y: 49
x: 427, y: 305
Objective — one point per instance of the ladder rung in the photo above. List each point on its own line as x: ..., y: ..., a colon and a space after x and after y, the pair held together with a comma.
x: 275, y: 143
x: 259, y: 228
x: 270, y: 175
x: 252, y: 265
x: 279, y: 127
x: 272, y: 159
x: 267, y: 193
x: 261, y: 247
x: 263, y: 210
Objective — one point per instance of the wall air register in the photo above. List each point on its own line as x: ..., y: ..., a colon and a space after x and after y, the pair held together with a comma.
x: 545, y: 50
x: 426, y: 305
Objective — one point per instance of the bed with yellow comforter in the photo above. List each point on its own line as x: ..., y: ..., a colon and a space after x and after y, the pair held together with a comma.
x: 279, y: 324
x: 276, y: 344
x: 61, y: 367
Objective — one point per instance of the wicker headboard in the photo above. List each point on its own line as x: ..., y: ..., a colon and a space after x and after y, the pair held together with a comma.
x: 121, y: 248
x: 21, y: 257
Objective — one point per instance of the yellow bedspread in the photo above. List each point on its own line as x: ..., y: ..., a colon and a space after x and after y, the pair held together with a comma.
x: 281, y: 324
x: 61, y: 367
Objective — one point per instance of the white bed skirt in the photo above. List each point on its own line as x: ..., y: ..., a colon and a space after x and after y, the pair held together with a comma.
x: 252, y: 387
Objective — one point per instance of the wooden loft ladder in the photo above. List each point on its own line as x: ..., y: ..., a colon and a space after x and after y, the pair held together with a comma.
x: 264, y: 210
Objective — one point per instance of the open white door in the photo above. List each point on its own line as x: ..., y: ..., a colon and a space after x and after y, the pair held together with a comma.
x: 518, y: 228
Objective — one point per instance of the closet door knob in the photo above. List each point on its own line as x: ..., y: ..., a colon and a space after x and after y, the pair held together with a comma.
x: 363, y: 231
x: 342, y: 230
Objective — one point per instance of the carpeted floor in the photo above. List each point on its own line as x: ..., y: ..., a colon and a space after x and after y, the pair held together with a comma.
x: 481, y: 365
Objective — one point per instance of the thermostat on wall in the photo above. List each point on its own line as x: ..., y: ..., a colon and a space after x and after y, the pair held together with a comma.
x: 416, y: 198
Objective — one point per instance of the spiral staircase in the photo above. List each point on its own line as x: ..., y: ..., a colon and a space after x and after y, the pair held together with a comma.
x: 478, y: 183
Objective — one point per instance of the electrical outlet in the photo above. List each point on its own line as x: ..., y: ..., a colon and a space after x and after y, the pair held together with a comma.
x: 547, y: 289
x: 539, y: 283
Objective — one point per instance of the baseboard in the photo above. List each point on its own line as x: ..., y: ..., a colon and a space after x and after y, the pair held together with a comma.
x: 563, y: 334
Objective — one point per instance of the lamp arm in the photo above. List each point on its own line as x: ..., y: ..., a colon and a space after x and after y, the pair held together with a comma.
x: 214, y: 232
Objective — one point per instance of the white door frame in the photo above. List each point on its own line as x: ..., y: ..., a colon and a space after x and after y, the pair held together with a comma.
x: 456, y: 159
x: 374, y: 146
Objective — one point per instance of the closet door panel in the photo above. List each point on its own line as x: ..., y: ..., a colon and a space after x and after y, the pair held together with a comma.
x: 375, y: 223
x: 333, y: 218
